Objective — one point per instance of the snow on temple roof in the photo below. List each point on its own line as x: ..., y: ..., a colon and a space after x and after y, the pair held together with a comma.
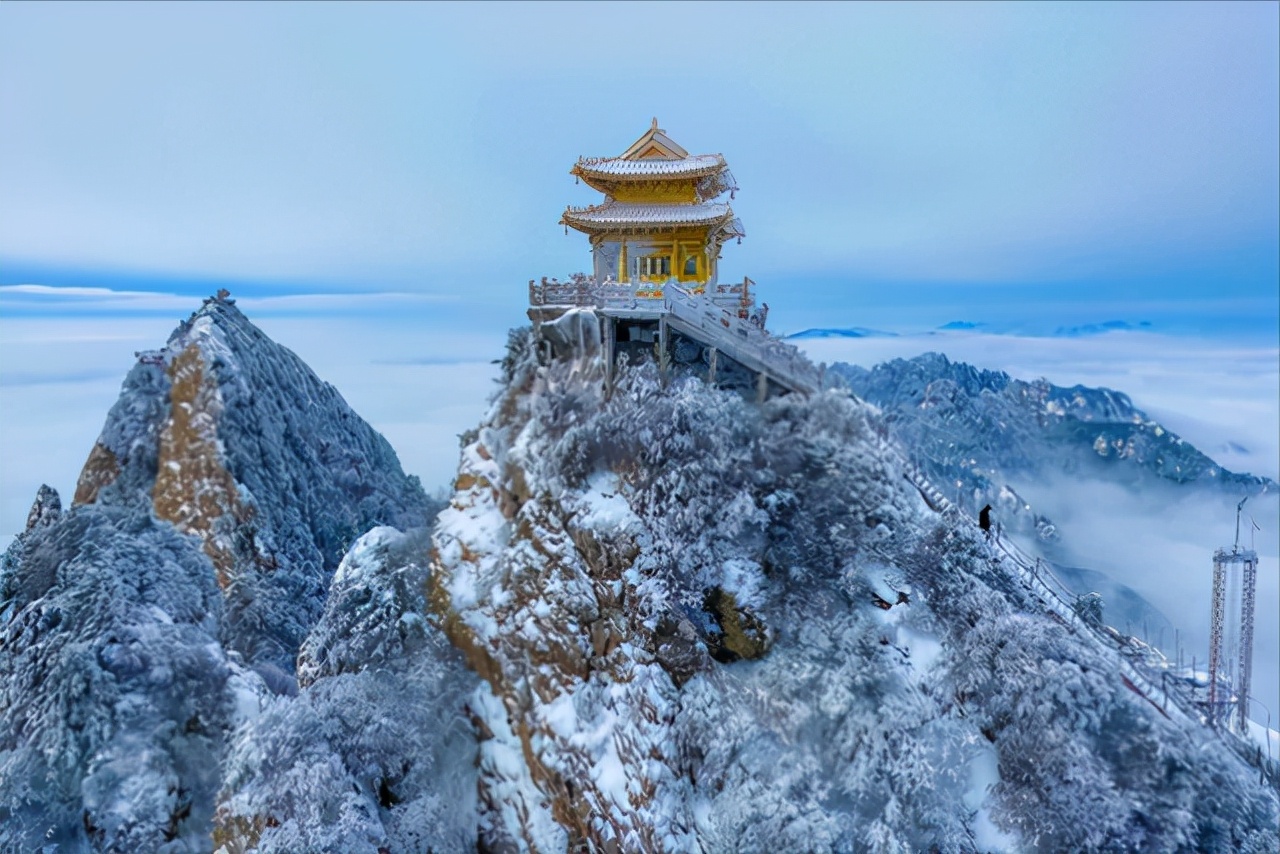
x: 620, y: 214
x: 693, y: 166
x: 654, y: 143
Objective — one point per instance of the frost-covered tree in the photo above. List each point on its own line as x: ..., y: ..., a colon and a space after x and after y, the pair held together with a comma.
x: 167, y: 608
x: 376, y: 752
x: 113, y: 700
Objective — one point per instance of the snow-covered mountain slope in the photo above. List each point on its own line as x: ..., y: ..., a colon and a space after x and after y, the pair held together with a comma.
x: 114, y: 703
x: 149, y: 634
x: 376, y: 752
x: 704, y: 625
x: 1037, y: 453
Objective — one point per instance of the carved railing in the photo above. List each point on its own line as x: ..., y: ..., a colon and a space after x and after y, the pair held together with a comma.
x: 582, y: 291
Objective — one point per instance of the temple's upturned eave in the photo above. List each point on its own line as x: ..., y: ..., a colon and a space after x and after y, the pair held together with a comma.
x: 594, y: 228
x: 632, y: 227
x: 614, y: 168
x: 622, y: 217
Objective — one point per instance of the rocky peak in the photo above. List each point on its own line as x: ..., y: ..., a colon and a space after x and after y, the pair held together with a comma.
x: 46, y: 509
x: 149, y: 634
x: 231, y: 437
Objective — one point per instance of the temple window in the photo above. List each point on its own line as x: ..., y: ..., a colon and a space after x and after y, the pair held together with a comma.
x: 691, y: 265
x: 655, y: 265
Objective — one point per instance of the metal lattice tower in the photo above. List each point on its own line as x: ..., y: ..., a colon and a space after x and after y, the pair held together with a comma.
x: 1245, y: 674
x: 1217, y: 620
x: 1235, y: 582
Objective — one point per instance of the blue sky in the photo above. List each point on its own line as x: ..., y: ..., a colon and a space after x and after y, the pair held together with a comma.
x: 1103, y: 160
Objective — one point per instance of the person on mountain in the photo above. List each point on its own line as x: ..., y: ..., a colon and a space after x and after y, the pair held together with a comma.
x: 984, y: 520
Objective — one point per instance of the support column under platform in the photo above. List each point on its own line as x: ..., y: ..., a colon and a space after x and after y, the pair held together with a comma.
x: 609, y: 335
x: 664, y: 342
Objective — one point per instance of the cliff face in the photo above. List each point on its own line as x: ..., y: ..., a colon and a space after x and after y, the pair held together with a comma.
x: 705, y: 625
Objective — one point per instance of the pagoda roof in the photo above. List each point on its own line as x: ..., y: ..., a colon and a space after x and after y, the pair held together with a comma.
x: 653, y: 155
x: 691, y: 166
x: 621, y: 216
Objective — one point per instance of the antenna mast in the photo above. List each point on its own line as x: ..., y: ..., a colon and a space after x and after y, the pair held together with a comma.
x: 1239, y: 508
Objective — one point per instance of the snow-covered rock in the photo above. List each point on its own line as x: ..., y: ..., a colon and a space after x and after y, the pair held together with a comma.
x: 705, y: 625
x: 113, y: 700
x: 46, y: 509
x: 376, y: 752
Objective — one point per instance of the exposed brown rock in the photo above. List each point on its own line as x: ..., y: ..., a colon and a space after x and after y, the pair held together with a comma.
x: 237, y: 834
x: 524, y: 670
x: 100, y: 470
x: 743, y: 634
x: 193, y: 490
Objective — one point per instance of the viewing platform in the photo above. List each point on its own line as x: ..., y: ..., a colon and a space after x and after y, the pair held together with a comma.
x: 722, y: 318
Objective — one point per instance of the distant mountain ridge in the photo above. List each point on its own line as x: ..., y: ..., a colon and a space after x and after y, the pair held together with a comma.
x: 992, y: 328
x: 970, y: 423
x: 850, y: 332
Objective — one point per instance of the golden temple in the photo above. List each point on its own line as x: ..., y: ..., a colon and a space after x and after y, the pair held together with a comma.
x: 660, y: 220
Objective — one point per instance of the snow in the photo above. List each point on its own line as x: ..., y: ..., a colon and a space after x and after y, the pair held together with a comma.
x: 694, y: 163
x: 925, y: 649
x: 248, y: 696
x: 983, y: 776
x: 572, y: 569
x: 610, y: 775
x: 1267, y: 739
x: 365, y: 554
x: 602, y: 506
x: 614, y: 213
